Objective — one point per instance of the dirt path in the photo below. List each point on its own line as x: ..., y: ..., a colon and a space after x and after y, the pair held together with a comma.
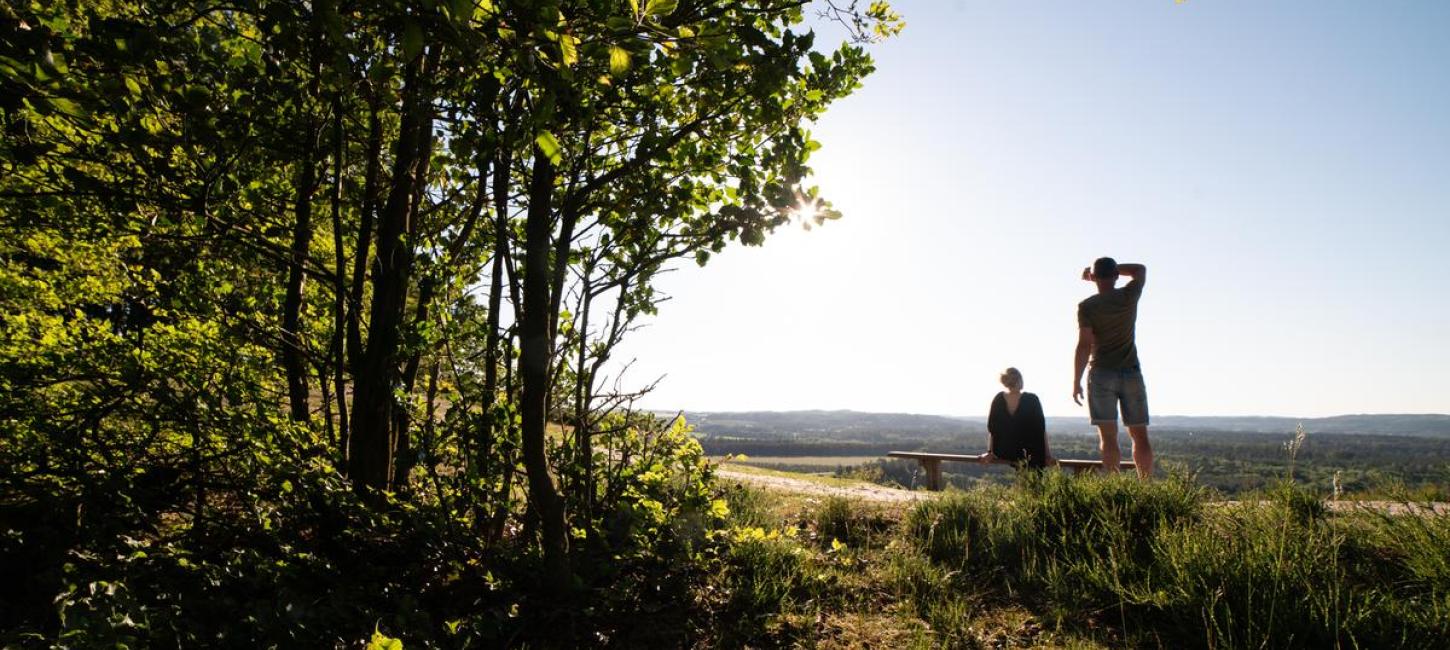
x: 883, y: 494
x: 864, y: 491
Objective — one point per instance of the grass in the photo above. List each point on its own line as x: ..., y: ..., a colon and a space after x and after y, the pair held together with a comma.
x: 1087, y: 561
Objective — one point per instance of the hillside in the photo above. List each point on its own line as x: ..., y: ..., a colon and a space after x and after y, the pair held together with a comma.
x: 1088, y: 562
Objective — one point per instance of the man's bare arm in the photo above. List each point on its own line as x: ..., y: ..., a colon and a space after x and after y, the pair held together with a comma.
x: 1137, y: 272
x: 1085, y: 341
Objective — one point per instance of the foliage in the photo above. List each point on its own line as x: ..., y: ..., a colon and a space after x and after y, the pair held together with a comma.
x: 292, y: 290
x: 300, y: 560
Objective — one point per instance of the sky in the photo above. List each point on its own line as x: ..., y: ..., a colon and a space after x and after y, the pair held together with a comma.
x: 1282, y: 168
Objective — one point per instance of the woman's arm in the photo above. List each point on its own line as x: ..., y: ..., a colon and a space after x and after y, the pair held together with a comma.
x: 994, y: 423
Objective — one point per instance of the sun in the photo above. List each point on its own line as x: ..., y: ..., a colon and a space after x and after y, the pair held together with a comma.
x: 805, y: 212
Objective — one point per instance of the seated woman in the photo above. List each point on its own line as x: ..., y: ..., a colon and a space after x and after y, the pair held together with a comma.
x: 1016, y: 429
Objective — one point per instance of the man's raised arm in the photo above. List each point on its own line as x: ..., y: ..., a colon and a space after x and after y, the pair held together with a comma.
x: 1137, y: 272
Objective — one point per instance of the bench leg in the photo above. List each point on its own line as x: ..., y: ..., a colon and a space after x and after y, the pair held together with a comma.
x: 933, y: 473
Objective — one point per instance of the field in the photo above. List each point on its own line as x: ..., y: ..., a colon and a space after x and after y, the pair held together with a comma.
x: 1230, y: 462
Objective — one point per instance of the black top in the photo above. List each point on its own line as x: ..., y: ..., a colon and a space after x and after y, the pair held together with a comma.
x: 1018, y: 436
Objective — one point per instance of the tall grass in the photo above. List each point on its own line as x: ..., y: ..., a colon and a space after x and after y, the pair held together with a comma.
x: 1158, y: 561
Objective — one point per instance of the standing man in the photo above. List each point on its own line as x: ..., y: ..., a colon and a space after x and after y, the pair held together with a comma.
x: 1105, y: 325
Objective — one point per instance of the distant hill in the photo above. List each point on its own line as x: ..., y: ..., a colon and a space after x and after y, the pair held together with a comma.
x: 830, y: 425
x: 1430, y: 425
x: 855, y: 425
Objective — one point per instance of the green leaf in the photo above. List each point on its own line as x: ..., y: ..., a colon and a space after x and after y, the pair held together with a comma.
x: 550, y: 146
x: 134, y: 87
x: 660, y: 7
x: 412, y: 40
x: 66, y: 106
x: 568, y: 50
x: 382, y: 641
x: 461, y: 10
x: 618, y: 60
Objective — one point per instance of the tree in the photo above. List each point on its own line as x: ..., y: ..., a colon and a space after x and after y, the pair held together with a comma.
x: 223, y: 218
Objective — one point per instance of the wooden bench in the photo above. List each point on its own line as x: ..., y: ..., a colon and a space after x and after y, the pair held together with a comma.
x: 931, y: 463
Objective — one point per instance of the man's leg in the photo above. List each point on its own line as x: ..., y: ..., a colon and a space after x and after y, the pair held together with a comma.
x: 1135, y: 416
x: 1102, y: 394
x: 1108, y: 446
x: 1142, y: 450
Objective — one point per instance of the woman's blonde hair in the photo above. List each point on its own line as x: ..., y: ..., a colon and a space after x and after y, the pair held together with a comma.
x: 1011, y: 376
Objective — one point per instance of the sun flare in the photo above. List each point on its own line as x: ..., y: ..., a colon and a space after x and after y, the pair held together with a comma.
x: 804, y: 212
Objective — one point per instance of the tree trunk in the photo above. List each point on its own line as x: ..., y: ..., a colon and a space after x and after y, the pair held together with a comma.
x: 365, y: 232
x: 501, y: 242
x: 294, y: 360
x: 583, y: 392
x: 534, y: 369
x: 370, y: 461
x: 406, y: 457
x: 339, y: 305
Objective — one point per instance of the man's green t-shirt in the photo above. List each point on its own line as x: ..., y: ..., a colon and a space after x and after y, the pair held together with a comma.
x: 1112, y: 316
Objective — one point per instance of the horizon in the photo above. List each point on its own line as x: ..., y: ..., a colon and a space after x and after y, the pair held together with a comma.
x: 1049, y: 415
x: 1286, y: 194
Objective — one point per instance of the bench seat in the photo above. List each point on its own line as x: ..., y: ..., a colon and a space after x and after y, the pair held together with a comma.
x: 931, y: 463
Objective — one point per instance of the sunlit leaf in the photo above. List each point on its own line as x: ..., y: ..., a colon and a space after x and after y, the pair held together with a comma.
x: 380, y: 641
x: 66, y: 106
x: 618, y: 60
x: 660, y: 7
x: 568, y: 50
x: 549, y: 145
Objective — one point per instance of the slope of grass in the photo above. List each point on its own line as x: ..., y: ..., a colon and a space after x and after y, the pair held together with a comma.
x: 1083, y: 562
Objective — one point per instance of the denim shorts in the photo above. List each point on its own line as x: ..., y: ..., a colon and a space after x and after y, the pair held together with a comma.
x: 1109, y: 388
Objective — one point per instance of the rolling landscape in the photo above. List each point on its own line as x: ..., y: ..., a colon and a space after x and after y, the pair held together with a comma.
x: 1361, y: 454
x: 351, y: 324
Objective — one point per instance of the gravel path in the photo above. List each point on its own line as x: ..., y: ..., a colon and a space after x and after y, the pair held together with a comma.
x: 864, y: 491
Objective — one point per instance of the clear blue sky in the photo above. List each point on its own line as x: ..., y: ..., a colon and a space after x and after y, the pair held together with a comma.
x: 1283, y: 168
